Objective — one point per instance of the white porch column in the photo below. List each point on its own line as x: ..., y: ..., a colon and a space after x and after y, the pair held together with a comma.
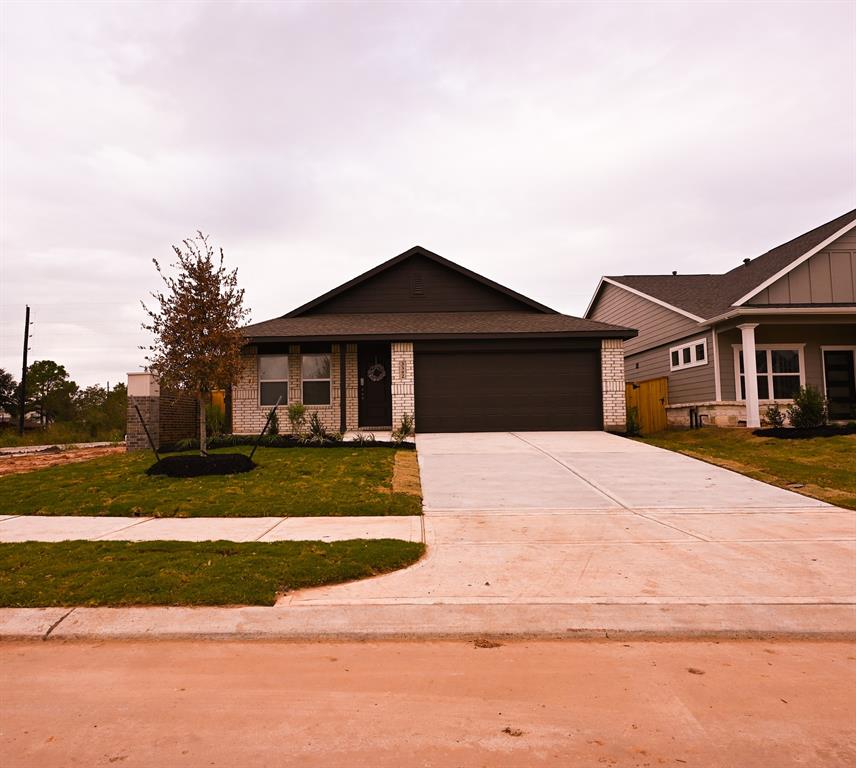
x: 750, y: 374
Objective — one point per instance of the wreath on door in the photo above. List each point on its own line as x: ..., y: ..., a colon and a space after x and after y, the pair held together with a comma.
x: 376, y: 372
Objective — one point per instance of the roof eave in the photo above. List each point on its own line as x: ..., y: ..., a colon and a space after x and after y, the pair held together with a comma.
x: 617, y: 333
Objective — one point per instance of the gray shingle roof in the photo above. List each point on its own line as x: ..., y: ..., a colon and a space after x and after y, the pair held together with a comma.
x: 415, y: 325
x: 711, y: 295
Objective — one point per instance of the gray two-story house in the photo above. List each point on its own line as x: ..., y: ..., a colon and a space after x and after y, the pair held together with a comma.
x: 731, y: 344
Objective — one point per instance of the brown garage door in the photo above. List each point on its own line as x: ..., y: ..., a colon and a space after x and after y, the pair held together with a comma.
x: 513, y: 388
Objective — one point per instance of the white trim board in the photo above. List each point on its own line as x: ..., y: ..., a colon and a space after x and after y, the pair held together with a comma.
x: 652, y: 299
x: 795, y: 263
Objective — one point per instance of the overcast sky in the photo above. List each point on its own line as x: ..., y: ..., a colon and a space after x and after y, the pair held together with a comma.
x: 541, y: 145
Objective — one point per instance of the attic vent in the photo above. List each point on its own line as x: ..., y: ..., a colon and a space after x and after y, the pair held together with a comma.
x: 417, y: 286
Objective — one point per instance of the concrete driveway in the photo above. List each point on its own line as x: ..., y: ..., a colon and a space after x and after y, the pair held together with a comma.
x: 591, y: 519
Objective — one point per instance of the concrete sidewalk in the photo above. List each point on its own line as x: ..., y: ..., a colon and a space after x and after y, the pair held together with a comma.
x: 62, y: 528
x: 552, y: 535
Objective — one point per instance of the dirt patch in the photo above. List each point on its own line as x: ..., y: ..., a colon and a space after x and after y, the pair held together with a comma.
x: 197, y: 466
x: 405, y: 474
x: 29, y: 462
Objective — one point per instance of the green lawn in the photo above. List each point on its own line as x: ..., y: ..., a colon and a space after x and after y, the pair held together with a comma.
x: 90, y: 573
x: 300, y: 482
x: 824, y: 466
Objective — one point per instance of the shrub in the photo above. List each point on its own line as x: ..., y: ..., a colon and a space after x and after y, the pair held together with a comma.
x: 774, y: 415
x: 215, y: 419
x: 633, y: 426
x: 405, y: 429
x: 297, y: 418
x: 317, y: 433
x: 809, y: 409
x: 273, y: 425
x: 364, y: 438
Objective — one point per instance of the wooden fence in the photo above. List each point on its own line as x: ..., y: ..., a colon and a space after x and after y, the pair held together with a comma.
x: 650, y: 399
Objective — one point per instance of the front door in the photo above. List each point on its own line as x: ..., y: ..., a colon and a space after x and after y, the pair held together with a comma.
x: 840, y: 383
x: 374, y: 364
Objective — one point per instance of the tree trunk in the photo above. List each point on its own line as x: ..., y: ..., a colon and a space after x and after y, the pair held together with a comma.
x: 203, y: 438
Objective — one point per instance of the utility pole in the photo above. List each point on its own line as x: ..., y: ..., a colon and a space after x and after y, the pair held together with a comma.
x: 23, y: 399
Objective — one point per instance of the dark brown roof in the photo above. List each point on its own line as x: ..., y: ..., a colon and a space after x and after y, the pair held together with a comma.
x: 431, y: 325
x: 710, y: 295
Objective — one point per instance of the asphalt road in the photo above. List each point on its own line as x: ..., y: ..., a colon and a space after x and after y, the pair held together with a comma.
x: 595, y: 703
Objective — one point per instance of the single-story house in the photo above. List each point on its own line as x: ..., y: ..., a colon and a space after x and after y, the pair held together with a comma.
x: 423, y: 336
x: 749, y: 337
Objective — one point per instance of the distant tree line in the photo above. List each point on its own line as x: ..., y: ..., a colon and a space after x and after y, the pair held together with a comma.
x: 53, y: 398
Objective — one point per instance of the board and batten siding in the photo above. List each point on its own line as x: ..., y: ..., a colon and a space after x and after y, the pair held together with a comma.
x: 656, y: 325
x: 688, y: 385
x: 828, y: 277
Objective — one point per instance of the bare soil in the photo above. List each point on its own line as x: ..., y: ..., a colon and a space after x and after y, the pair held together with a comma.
x: 405, y: 474
x: 610, y: 703
x: 29, y: 462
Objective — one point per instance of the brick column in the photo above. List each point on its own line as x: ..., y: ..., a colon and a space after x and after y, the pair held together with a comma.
x: 143, y: 390
x: 612, y: 383
x: 352, y: 389
x: 403, y: 392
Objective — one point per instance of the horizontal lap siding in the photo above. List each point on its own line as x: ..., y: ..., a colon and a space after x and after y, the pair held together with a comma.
x: 656, y: 324
x: 685, y: 386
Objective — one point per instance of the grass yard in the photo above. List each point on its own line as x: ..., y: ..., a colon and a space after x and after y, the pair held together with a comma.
x: 825, y: 467
x: 92, y: 573
x: 299, y: 482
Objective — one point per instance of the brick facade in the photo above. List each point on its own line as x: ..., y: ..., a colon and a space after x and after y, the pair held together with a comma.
x: 612, y: 378
x: 135, y: 435
x: 403, y: 389
x: 248, y: 417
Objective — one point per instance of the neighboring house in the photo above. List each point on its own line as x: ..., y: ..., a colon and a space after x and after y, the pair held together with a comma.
x: 750, y: 336
x: 423, y: 336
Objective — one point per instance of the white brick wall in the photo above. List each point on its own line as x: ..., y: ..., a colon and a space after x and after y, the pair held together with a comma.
x: 403, y: 390
x: 612, y: 377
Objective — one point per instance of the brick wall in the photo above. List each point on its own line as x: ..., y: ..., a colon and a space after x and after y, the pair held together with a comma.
x: 135, y: 435
x: 403, y: 391
x: 248, y: 417
x: 612, y: 378
x: 179, y: 417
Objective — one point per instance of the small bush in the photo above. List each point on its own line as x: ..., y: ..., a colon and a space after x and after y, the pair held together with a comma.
x: 297, y: 418
x: 364, y: 438
x: 774, y: 415
x: 273, y: 425
x: 809, y: 409
x: 317, y: 433
x: 215, y: 420
x: 405, y: 429
x: 633, y: 426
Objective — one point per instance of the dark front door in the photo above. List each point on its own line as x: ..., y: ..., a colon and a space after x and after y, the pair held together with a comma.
x: 374, y: 364
x: 840, y: 383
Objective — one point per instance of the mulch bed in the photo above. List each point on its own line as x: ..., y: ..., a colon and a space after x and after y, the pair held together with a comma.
x: 197, y: 466
x: 793, y: 433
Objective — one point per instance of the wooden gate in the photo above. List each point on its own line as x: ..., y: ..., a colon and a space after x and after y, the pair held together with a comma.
x: 650, y: 399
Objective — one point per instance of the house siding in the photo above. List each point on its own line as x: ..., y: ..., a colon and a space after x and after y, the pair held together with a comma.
x: 419, y: 285
x: 656, y: 325
x: 685, y: 386
x: 828, y: 277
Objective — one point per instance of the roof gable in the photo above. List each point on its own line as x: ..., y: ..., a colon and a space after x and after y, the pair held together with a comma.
x: 707, y: 296
x: 419, y: 281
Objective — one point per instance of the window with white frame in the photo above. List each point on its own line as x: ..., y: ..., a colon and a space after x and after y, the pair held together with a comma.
x: 780, y: 370
x: 688, y: 355
x: 273, y: 379
x: 315, y: 370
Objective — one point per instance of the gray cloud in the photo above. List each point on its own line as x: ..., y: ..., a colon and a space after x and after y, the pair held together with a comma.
x: 540, y: 144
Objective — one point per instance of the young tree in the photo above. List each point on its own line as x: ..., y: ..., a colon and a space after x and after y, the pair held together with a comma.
x: 197, y: 346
